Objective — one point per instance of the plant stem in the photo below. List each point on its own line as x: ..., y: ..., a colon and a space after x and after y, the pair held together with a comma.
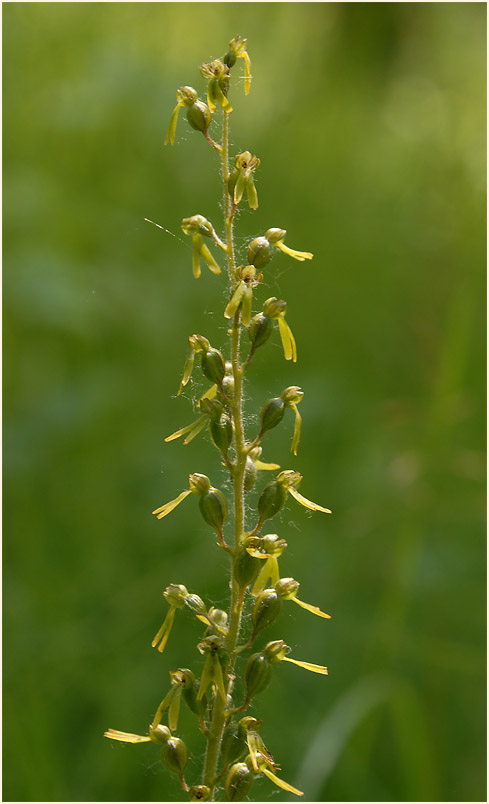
x: 219, y: 711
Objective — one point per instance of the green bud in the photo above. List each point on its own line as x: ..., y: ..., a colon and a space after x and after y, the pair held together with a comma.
x: 275, y: 235
x: 260, y: 329
x: 190, y: 689
x: 230, y: 59
x: 274, y: 307
x: 272, y: 500
x: 195, y: 604
x: 176, y: 594
x: 197, y: 224
x: 256, y: 674
x: 271, y: 414
x: 287, y: 588
x: 214, y: 509
x: 276, y: 650
x: 199, y: 484
x: 273, y: 545
x: 246, y: 568
x: 213, y: 366
x: 199, y: 116
x: 159, y: 734
x: 186, y: 96
x: 199, y: 792
x: 292, y: 395
x: 233, y: 744
x: 238, y: 782
x: 218, y: 616
x: 174, y: 755
x: 221, y: 432
x: 251, y: 473
x: 198, y: 343
x: 260, y: 252
x: 266, y: 609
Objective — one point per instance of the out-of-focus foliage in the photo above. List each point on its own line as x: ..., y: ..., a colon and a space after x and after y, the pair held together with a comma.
x: 369, y: 123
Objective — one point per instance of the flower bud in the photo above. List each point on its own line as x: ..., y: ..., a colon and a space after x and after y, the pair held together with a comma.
x: 260, y: 329
x: 230, y: 59
x: 221, y: 432
x: 287, y: 588
x: 199, y: 116
x: 256, y: 674
x: 273, y: 545
x: 175, y: 595
x: 233, y: 744
x: 174, y: 755
x: 251, y: 473
x: 272, y: 500
x: 190, y: 689
x: 292, y: 395
x: 197, y: 224
x: 214, y: 509
x: 218, y: 616
x: 199, y: 792
x: 195, y: 604
x: 198, y: 343
x: 276, y: 650
x: 199, y: 484
x: 260, y: 252
x: 274, y: 235
x: 186, y: 96
x: 274, y: 307
x: 159, y: 734
x: 246, y: 568
x: 238, y: 782
x: 266, y: 609
x: 213, y: 366
x: 271, y: 414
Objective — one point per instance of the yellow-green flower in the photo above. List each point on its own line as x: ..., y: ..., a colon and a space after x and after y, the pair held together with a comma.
x: 243, y: 294
x: 277, y: 236
x: 290, y: 481
x: 269, y: 548
x: 159, y: 735
x: 213, y: 647
x: 241, y: 179
x: 237, y: 50
x: 186, y: 96
x: 287, y: 589
x: 195, y: 227
x: 217, y: 75
x: 276, y: 652
x: 276, y: 309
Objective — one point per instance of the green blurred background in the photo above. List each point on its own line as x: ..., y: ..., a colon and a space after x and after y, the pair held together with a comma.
x: 369, y: 121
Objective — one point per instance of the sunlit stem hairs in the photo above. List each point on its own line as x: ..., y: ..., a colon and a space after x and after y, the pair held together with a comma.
x: 230, y: 669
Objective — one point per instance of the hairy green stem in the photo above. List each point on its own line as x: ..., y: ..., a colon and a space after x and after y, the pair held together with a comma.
x: 219, y: 711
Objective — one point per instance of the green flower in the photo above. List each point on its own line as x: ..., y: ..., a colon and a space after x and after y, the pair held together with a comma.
x: 241, y: 179
x: 217, y: 75
x: 195, y: 227
x: 186, y: 96
x: 237, y: 50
